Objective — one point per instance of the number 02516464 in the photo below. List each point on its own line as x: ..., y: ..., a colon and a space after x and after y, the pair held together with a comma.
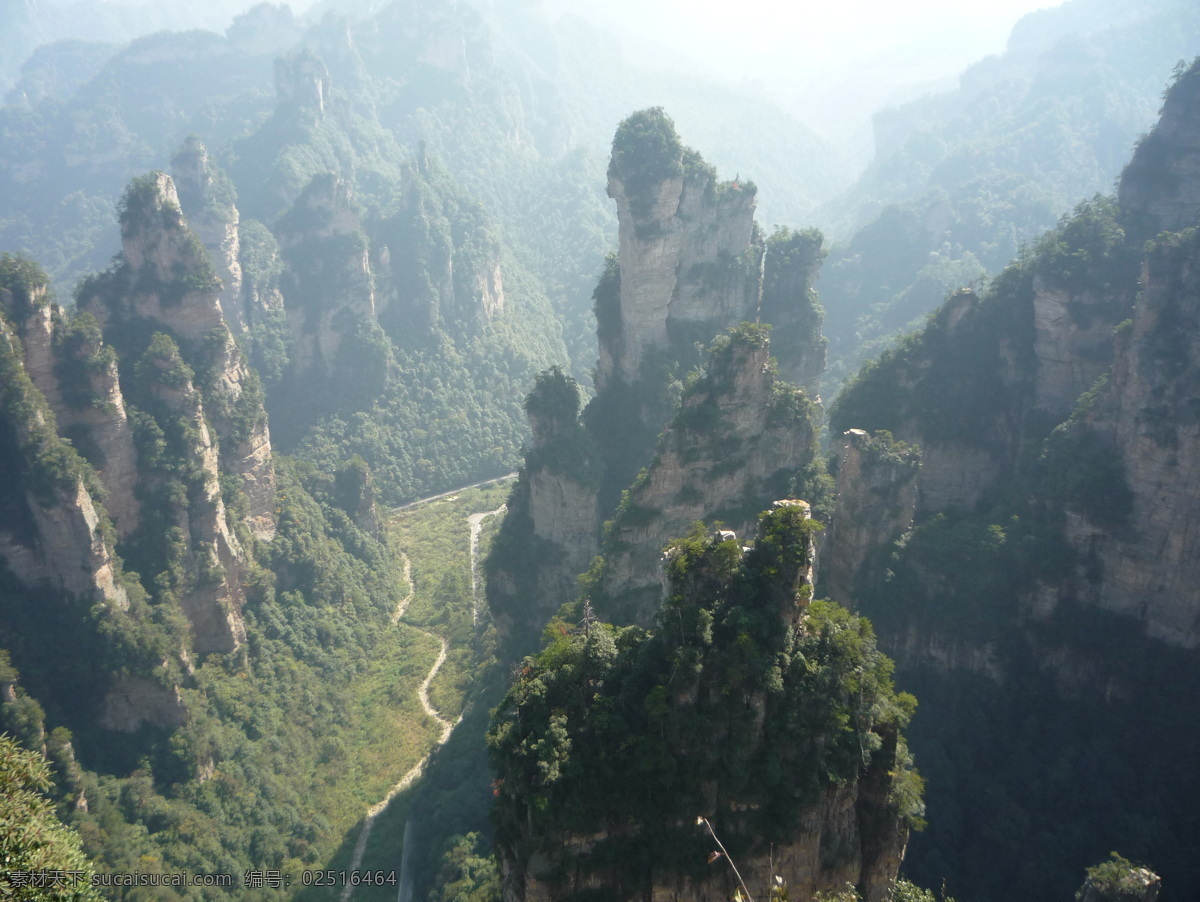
x: 349, y: 878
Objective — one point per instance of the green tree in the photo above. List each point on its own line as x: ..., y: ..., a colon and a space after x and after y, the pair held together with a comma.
x: 32, y: 840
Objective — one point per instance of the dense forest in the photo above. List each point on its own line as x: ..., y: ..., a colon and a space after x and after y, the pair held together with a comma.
x: 445, y: 458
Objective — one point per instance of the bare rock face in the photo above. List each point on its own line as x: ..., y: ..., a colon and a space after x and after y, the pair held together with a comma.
x: 172, y: 279
x: 214, y: 600
x: 739, y: 437
x: 550, y: 530
x: 75, y: 372
x: 328, y: 283
x: 236, y: 408
x: 688, y: 268
x: 301, y: 80
x: 207, y: 200
x: 1145, y: 562
x: 168, y: 278
x: 133, y: 701
x: 53, y: 535
x: 1072, y: 343
x: 876, y: 501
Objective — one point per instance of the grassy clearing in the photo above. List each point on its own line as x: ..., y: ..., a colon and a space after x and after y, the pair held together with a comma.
x: 436, y: 539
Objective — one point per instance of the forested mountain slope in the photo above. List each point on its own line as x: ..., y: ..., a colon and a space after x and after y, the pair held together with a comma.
x: 961, y: 180
x: 1026, y: 461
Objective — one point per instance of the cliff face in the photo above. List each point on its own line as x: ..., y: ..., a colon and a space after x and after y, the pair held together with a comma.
x: 688, y: 268
x: 1050, y: 566
x: 1145, y: 562
x: 173, y: 283
x: 213, y: 598
x: 205, y: 402
x: 52, y: 533
x: 549, y: 533
x: 611, y: 741
x: 690, y: 263
x: 77, y: 375
x: 327, y: 282
x: 738, y: 440
x: 206, y: 197
x: 876, y: 503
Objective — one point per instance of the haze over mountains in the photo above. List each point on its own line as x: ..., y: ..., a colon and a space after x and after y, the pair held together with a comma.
x: 267, y: 275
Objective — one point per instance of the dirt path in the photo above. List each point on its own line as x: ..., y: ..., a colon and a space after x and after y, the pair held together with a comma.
x: 476, y: 524
x: 402, y: 605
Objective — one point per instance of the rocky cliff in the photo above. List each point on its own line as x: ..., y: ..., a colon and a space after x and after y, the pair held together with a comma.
x: 876, y: 502
x: 206, y: 197
x: 611, y: 742
x: 161, y: 308
x: 327, y: 283
x: 1139, y: 555
x: 741, y: 438
x: 53, y: 532
x: 1047, y: 576
x: 690, y: 263
x: 549, y: 532
x: 438, y: 257
x: 687, y: 262
x: 76, y: 373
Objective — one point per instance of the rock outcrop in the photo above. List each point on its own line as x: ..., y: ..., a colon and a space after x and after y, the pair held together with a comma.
x: 193, y: 381
x: 52, y: 533
x: 549, y: 534
x: 876, y: 502
x: 327, y: 283
x: 213, y: 597
x: 740, y: 437
x: 687, y: 261
x: 690, y: 264
x: 207, y: 198
x: 610, y: 744
x: 76, y: 373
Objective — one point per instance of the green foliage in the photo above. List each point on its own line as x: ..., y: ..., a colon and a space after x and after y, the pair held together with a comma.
x: 554, y: 398
x: 646, y: 151
x: 1088, y: 252
x: 1116, y: 880
x: 32, y: 839
x: 1086, y: 471
x: 215, y: 193
x: 606, y: 302
x: 467, y: 874
x: 611, y: 726
x: 23, y: 285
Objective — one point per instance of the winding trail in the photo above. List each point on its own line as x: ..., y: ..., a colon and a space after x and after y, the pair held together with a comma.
x: 360, y: 847
x: 476, y: 523
x: 402, y: 604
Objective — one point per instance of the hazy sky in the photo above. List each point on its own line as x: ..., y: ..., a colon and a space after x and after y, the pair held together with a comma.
x: 820, y: 56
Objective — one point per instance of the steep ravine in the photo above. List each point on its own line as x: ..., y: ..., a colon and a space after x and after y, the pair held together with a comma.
x: 475, y: 522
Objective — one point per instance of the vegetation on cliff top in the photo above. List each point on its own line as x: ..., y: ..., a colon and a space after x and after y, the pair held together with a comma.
x: 746, y: 698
